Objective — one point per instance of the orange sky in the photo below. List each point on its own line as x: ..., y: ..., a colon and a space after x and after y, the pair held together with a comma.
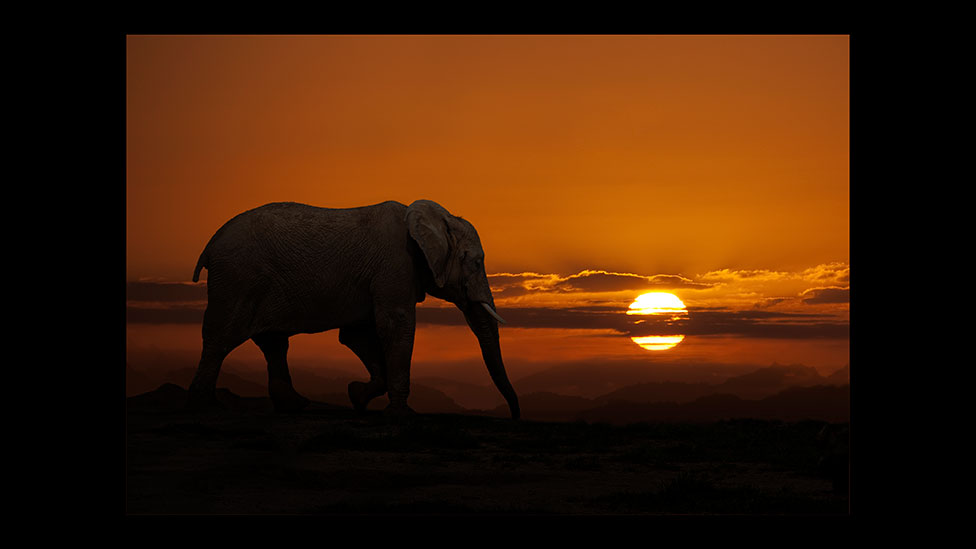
x: 720, y: 160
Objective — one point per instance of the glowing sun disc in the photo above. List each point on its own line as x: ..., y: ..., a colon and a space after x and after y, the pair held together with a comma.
x: 658, y: 343
x: 657, y: 303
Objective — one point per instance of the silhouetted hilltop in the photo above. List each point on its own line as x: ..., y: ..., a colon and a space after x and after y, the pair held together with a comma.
x: 173, y: 396
x: 170, y: 397
x: 765, y: 381
x: 423, y: 399
x: 178, y: 369
x: 601, y: 381
x: 147, y: 369
x: 236, y: 384
x: 840, y: 377
x: 137, y: 381
x: 754, y: 385
x: 166, y: 396
x: 663, y: 400
x: 823, y: 402
x: 179, y: 366
x: 468, y: 395
x: 588, y: 380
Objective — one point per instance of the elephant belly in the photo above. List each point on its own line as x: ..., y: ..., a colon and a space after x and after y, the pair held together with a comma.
x: 295, y: 313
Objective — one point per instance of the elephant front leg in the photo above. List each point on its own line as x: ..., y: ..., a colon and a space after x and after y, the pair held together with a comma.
x: 363, y: 341
x: 395, y: 330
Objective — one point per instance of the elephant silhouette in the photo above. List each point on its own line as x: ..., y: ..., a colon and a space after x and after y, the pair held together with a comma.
x: 286, y: 268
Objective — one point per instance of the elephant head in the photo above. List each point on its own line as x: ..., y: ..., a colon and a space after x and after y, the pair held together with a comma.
x: 456, y: 260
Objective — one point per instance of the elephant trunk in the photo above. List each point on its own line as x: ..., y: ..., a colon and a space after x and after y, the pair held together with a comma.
x: 486, y: 330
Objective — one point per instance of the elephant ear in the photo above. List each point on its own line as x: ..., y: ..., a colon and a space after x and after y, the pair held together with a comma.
x: 427, y: 224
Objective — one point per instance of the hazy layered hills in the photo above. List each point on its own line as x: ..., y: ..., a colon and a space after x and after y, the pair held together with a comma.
x: 821, y: 402
x: 595, y: 382
x: 788, y: 392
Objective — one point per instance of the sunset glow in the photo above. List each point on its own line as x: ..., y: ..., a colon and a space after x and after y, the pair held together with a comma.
x: 606, y: 176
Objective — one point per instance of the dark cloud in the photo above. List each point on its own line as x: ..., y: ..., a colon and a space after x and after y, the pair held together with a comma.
x: 180, y: 314
x: 165, y: 291
x: 767, y: 324
x: 165, y: 302
x: 816, y: 296
x: 535, y: 317
x: 158, y: 303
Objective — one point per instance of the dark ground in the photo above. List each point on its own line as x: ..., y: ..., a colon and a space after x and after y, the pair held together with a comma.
x: 328, y: 460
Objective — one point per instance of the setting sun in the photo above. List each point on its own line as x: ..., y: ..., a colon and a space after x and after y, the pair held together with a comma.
x: 657, y: 303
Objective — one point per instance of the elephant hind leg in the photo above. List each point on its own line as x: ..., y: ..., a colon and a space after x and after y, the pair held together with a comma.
x: 283, y: 394
x: 364, y: 342
x: 222, y: 333
x: 202, y: 393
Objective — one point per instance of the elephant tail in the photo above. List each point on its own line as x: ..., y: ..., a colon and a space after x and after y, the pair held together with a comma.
x: 204, y: 261
x: 201, y: 264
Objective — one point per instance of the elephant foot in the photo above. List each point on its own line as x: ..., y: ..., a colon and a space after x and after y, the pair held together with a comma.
x: 358, y: 395
x: 286, y: 399
x: 399, y: 409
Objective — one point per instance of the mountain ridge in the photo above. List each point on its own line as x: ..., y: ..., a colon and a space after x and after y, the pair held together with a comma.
x: 651, y: 399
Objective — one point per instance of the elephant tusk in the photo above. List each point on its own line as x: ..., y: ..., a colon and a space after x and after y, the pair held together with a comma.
x: 492, y: 312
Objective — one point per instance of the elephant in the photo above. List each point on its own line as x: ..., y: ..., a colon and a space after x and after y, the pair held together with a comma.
x: 287, y: 268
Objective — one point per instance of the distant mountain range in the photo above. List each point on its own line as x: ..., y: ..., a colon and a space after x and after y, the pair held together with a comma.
x: 778, y: 391
x: 821, y: 402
